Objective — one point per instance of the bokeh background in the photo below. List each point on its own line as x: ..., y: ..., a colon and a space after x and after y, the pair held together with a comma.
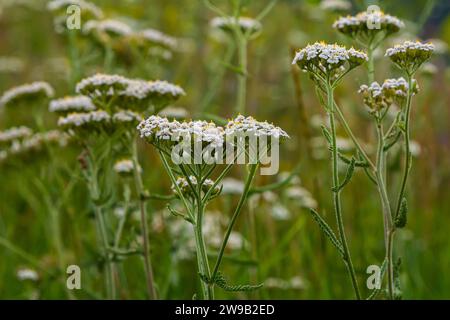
x: 278, y: 241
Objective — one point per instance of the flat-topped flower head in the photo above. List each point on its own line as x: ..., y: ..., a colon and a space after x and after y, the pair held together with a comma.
x: 157, y: 130
x: 153, y: 37
x: 328, y: 61
x: 93, y: 121
x: 36, y: 143
x: 242, y: 125
x: 141, y: 95
x: 335, y: 5
x: 71, y: 104
x: 247, y: 25
x: 186, y: 187
x: 366, y: 25
x: 109, y: 27
x: 409, y: 56
x: 14, y: 134
x: 25, y: 274
x: 26, y: 93
x: 378, y: 97
x: 88, y: 9
x: 232, y: 186
x: 125, y: 168
x: 100, y: 87
x: 163, y: 93
x: 127, y: 118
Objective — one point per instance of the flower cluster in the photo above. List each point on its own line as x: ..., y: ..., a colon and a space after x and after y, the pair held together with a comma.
x: 102, y: 85
x: 409, y: 56
x: 130, y: 93
x: 328, y: 60
x: 335, y: 5
x: 246, y: 25
x: 24, y: 146
x: 364, y: 26
x: 85, y: 120
x: 248, y: 125
x: 125, y: 167
x: 26, y: 92
x: 159, y: 130
x: 378, y: 96
x: 109, y: 27
x: 13, y: 134
x: 127, y: 117
x: 71, y: 104
x: 156, y: 37
x: 60, y: 6
x: 186, y: 187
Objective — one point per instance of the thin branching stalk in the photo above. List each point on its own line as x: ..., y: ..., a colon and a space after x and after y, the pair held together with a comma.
x: 208, y: 290
x: 407, y: 165
x: 336, y: 193
x: 386, y: 207
x: 248, y: 183
x: 242, y: 44
x: 143, y: 216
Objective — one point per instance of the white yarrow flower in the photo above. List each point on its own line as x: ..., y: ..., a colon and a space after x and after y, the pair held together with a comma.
x: 27, y: 274
x: 71, y: 104
x: 35, y: 88
x: 15, y: 134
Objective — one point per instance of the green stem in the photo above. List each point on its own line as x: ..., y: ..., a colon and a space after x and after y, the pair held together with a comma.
x: 370, y: 64
x: 336, y: 194
x: 101, y: 227
x: 217, y: 80
x: 110, y: 287
x: 75, y: 66
x: 202, y: 255
x: 242, y: 80
x: 406, y: 169
x: 143, y: 215
x: 387, y: 215
x: 349, y: 131
x: 248, y: 183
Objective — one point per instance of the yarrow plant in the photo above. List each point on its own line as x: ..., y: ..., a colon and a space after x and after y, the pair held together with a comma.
x: 103, y: 119
x: 369, y: 30
x: 25, y: 93
x: 327, y: 65
x: 191, y: 180
x: 241, y: 30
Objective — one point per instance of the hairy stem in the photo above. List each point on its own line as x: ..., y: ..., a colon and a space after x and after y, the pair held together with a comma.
x: 248, y: 183
x: 242, y: 77
x: 202, y: 256
x: 336, y: 194
x: 386, y: 207
x: 143, y: 210
x: 407, y: 165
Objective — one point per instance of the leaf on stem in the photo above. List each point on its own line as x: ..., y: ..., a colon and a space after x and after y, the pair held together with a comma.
x: 402, y: 217
x: 328, y: 231
x: 222, y: 283
x: 348, y: 176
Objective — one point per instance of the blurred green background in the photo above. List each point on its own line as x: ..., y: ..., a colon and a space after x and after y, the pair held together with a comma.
x: 287, y: 250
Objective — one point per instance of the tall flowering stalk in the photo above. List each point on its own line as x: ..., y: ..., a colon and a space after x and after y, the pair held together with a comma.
x: 369, y: 30
x: 241, y: 30
x: 195, y: 150
x: 408, y: 56
x: 103, y: 119
x: 327, y: 65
